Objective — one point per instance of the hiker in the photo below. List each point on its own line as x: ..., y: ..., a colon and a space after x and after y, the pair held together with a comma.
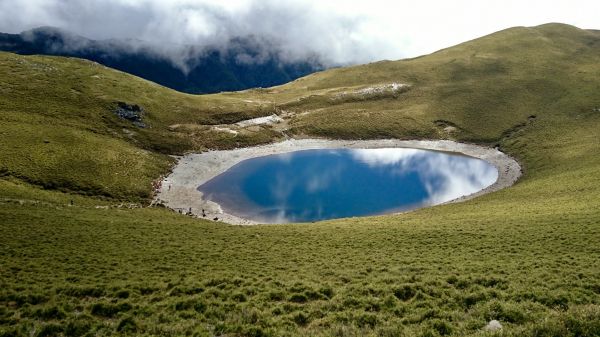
x: 203, y: 213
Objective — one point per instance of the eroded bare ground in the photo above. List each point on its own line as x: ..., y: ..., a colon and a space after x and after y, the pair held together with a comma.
x: 179, y: 190
x: 279, y: 121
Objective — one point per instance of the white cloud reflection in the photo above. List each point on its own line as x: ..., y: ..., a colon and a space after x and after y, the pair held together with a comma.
x: 445, y: 177
x: 319, y: 180
x: 384, y: 157
x: 350, y: 182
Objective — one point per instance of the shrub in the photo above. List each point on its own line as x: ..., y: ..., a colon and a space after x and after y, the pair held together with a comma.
x: 83, y: 291
x: 239, y: 297
x: 327, y: 292
x: 472, y: 299
x: 275, y: 296
x: 200, y: 307
x: 298, y: 298
x: 216, y: 283
x: 578, y: 322
x: 405, y: 292
x: 21, y: 299
x: 195, y: 304
x: 177, y: 291
x: 127, y: 325
x: 194, y: 290
x: 442, y: 327
x: 147, y: 290
x: 504, y: 312
x: 372, y: 305
x: 313, y: 295
x: 390, y: 302
x: 459, y: 283
x: 49, y: 330
x: 48, y: 313
x: 122, y: 294
x: 490, y: 282
x: 300, y: 318
x: 452, y: 279
x: 366, y: 320
x: 255, y: 331
x: 9, y: 333
x: 76, y: 328
x: 109, y: 310
x: 351, y: 302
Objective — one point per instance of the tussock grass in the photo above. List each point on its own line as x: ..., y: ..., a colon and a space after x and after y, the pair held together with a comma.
x: 525, y: 256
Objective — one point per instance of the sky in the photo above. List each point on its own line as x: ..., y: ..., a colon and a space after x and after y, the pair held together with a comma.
x: 339, y: 31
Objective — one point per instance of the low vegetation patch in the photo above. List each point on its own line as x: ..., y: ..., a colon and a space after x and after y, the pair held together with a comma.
x: 83, y: 255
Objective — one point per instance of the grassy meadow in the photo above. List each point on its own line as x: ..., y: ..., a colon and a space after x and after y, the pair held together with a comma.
x: 82, y: 254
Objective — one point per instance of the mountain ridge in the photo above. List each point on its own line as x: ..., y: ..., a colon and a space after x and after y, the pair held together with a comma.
x: 84, y: 253
x: 246, y: 62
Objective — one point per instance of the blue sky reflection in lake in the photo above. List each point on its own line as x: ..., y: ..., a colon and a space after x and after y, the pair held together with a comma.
x: 314, y: 185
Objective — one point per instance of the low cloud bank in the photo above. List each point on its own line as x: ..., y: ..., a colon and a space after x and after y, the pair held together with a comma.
x: 181, y: 30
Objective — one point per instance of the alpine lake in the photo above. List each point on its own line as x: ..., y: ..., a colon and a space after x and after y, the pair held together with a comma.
x: 314, y: 185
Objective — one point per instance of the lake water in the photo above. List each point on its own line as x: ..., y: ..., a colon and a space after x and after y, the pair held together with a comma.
x: 314, y: 185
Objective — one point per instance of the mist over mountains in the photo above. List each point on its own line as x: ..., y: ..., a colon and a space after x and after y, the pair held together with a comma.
x: 242, y: 63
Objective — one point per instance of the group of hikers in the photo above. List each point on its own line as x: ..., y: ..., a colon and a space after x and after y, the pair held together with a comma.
x: 189, y: 212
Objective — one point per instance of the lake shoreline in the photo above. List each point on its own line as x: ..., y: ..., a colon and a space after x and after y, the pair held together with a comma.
x: 179, y: 190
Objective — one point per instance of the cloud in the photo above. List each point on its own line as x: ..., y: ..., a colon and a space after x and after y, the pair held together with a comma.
x: 295, y: 30
x: 338, y: 31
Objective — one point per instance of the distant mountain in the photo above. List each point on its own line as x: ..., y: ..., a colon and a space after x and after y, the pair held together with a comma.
x: 246, y: 63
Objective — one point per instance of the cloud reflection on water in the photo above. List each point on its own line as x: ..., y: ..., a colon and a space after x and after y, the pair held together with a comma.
x: 314, y: 178
x: 324, y: 184
x: 446, y: 177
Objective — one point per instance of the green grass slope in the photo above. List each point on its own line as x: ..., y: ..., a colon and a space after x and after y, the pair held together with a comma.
x: 59, y: 129
x: 483, y: 87
x: 525, y: 256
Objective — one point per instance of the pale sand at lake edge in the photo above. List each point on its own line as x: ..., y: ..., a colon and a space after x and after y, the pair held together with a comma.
x: 179, y: 190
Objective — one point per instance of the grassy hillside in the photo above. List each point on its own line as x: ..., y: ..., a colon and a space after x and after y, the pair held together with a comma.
x: 526, y: 256
x: 60, y: 130
x: 210, y: 69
